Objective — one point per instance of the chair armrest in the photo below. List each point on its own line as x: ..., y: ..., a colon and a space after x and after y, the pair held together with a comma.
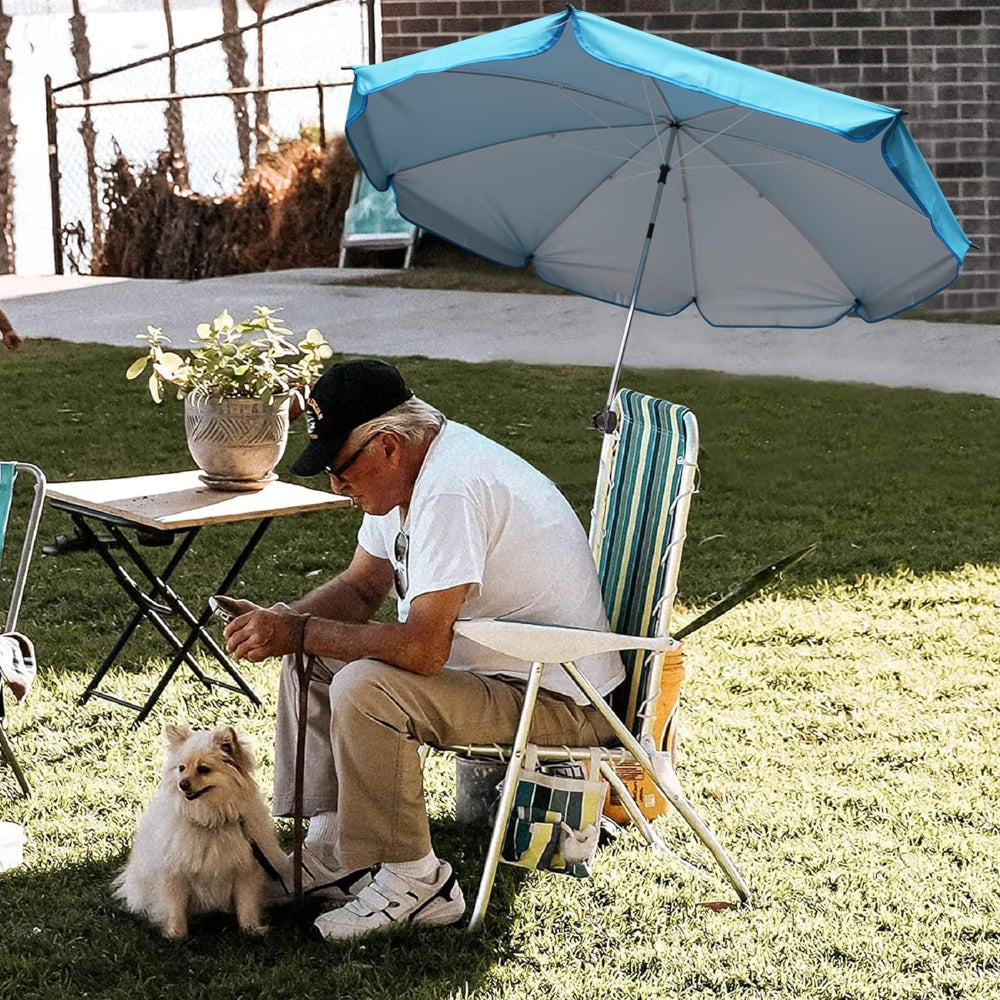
x: 551, y: 643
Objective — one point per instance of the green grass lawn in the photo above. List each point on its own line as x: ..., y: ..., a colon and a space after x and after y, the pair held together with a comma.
x: 839, y: 731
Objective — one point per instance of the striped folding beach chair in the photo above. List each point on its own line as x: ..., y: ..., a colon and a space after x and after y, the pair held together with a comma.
x: 8, y: 474
x: 639, y: 523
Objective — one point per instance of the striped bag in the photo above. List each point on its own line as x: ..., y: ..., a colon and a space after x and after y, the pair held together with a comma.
x: 555, y: 822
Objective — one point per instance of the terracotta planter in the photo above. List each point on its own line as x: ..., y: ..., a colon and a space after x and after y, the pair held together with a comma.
x: 236, y: 442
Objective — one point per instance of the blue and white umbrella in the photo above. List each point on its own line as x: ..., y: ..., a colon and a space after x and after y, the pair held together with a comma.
x: 641, y: 172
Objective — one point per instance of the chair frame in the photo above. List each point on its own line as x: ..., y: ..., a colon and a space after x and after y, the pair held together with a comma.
x: 17, y: 597
x: 375, y: 241
x: 639, y: 748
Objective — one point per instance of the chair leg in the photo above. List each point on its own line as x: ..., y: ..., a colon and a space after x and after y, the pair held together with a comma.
x: 643, y: 825
x: 703, y: 833
x: 8, y: 755
x: 669, y: 789
x: 506, y: 804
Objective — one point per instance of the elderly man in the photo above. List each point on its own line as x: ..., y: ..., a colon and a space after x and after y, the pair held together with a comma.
x: 457, y: 527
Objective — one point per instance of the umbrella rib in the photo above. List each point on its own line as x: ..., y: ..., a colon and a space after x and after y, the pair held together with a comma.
x: 718, y: 111
x: 662, y: 96
x: 603, y: 98
x: 621, y: 160
x: 757, y: 144
x: 568, y: 92
x: 833, y: 269
x: 558, y: 136
x: 652, y: 117
x: 591, y: 190
x: 715, y: 135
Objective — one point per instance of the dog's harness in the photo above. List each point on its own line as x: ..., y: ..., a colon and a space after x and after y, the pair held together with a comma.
x: 258, y: 855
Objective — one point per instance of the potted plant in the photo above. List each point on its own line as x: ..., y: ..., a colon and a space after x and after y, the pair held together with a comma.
x: 238, y: 384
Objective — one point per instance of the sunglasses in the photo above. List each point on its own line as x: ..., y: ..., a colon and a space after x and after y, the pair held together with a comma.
x: 339, y: 472
x: 400, y: 549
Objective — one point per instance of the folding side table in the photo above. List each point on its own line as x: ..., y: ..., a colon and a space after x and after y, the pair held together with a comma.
x: 170, y: 510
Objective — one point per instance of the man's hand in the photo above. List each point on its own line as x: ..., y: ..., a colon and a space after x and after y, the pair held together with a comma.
x: 258, y: 633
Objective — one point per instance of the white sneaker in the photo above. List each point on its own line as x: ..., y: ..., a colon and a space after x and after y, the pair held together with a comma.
x: 391, y: 899
x: 319, y: 881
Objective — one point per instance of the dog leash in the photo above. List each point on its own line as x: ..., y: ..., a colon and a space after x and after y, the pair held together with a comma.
x: 303, y: 672
x: 259, y: 856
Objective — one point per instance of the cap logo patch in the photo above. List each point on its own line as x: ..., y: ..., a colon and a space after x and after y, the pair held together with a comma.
x: 313, y: 416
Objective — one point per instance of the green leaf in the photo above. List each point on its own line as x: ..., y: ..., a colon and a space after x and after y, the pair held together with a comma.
x: 136, y: 368
x: 154, y: 388
x: 171, y: 360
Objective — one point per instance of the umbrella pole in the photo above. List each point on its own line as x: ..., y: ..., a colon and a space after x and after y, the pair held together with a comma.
x: 605, y: 420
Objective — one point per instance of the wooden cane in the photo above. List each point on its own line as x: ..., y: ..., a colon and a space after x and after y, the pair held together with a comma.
x: 303, y: 671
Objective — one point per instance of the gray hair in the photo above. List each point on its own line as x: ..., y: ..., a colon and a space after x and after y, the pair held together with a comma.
x: 411, y: 421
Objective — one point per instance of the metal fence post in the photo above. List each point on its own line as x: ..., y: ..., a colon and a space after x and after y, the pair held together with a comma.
x: 322, y: 116
x: 371, y: 24
x: 53, y: 136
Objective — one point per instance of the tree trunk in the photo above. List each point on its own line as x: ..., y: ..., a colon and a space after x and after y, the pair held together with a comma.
x: 236, y: 63
x: 175, y: 121
x: 262, y: 123
x: 8, y: 140
x: 80, y: 47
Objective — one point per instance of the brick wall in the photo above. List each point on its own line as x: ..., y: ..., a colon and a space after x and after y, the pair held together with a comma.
x: 939, y: 60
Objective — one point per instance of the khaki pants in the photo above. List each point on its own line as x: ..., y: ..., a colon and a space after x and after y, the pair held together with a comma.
x: 365, y: 725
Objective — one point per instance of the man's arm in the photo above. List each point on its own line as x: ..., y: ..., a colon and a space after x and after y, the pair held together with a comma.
x: 421, y: 644
x: 354, y: 595
x: 339, y: 628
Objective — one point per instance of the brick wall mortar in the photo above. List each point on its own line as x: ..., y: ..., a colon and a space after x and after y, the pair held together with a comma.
x: 939, y: 60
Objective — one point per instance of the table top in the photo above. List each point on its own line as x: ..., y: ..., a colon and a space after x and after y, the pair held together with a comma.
x: 176, y: 500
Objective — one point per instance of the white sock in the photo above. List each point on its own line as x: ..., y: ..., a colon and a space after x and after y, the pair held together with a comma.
x: 423, y: 870
x: 321, y: 837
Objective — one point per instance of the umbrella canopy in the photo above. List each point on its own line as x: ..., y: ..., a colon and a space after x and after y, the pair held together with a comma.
x: 562, y: 141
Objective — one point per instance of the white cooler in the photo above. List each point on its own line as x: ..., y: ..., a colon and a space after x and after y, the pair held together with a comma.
x: 11, y: 845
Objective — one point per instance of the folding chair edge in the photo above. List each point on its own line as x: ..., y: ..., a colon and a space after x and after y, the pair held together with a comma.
x: 17, y: 595
x: 375, y: 241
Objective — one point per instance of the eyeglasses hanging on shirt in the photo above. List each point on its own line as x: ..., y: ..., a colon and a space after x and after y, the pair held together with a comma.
x: 400, y: 550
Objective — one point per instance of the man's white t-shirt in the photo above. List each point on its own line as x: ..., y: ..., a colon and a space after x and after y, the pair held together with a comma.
x: 481, y: 515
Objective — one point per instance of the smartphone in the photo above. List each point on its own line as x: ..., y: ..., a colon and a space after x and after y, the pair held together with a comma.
x: 225, y: 607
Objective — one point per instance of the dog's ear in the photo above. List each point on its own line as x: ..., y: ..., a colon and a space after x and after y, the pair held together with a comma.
x: 237, y: 748
x: 176, y: 735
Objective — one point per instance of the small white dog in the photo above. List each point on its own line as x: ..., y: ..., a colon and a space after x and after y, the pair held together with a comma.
x: 204, y: 842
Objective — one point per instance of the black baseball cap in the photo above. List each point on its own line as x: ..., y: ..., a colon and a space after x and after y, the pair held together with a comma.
x: 347, y: 396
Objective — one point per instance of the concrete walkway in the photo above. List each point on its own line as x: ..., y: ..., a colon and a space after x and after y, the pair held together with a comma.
x: 479, y: 326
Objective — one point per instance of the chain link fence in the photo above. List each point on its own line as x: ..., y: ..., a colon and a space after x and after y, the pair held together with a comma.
x: 210, y: 109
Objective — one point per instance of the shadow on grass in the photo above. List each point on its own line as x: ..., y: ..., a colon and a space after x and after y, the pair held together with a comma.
x: 64, y: 933
x: 883, y: 479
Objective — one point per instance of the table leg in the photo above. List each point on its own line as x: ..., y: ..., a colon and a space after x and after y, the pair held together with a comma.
x: 151, y: 609
x: 197, y: 632
x: 147, y: 607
